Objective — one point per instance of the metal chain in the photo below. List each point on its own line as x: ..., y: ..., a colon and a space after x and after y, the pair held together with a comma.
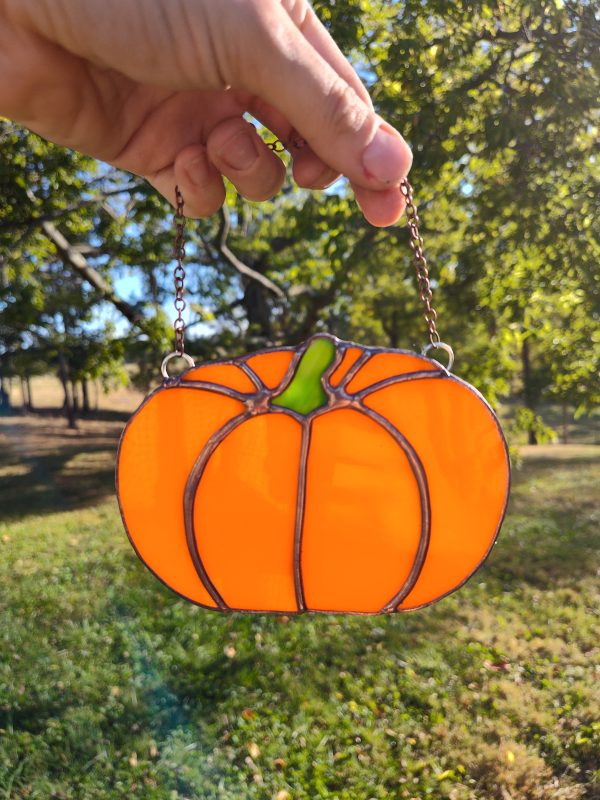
x: 277, y: 146
x: 179, y: 274
x: 416, y: 243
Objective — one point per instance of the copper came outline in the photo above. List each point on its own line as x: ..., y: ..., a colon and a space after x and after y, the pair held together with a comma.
x: 259, y: 402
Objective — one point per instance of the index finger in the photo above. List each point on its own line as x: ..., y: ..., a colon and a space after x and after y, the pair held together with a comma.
x: 318, y: 36
x: 340, y: 127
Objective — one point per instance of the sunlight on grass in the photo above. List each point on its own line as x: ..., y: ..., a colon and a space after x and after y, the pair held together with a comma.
x: 14, y: 471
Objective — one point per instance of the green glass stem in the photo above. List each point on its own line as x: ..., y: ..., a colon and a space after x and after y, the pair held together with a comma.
x: 305, y: 393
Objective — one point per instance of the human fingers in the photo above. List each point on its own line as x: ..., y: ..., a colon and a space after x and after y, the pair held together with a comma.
x: 311, y: 27
x: 308, y: 169
x: 380, y: 208
x: 248, y: 44
x: 238, y: 152
x: 340, y: 128
x: 198, y: 179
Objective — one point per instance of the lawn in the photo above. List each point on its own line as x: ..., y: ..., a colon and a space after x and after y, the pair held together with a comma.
x: 113, y: 687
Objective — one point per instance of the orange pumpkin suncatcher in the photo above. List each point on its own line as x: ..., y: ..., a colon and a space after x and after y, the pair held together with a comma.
x: 329, y: 477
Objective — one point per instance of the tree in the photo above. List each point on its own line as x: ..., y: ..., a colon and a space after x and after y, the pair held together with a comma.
x: 499, y: 102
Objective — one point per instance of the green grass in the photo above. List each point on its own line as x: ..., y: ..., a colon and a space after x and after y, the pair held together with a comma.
x: 113, y: 687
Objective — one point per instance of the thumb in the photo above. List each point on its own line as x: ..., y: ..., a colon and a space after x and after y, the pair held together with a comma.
x: 322, y: 107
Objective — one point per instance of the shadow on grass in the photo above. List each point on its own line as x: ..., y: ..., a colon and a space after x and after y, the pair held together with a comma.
x: 101, y: 414
x: 303, y: 659
x: 543, y: 555
x: 550, y: 532
x: 46, y: 468
x: 50, y: 486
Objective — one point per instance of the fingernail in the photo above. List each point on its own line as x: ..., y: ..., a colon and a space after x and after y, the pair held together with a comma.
x: 387, y: 158
x: 240, y: 152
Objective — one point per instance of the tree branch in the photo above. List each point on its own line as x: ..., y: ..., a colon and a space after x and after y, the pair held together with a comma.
x: 481, y: 77
x: 34, y: 221
x: 73, y: 258
x: 319, y: 299
x: 236, y: 263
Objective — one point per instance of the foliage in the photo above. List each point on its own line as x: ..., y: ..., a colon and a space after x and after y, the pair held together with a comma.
x: 500, y: 105
x: 527, y: 420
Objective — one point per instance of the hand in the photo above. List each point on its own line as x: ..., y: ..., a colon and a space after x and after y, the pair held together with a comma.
x: 160, y: 88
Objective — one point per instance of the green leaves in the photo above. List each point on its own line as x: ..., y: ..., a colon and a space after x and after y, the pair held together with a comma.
x: 499, y: 102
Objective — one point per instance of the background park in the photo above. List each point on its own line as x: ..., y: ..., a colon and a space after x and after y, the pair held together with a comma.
x: 111, y: 686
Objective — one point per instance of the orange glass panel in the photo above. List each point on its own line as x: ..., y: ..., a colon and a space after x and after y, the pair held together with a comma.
x: 385, y: 365
x: 271, y: 367
x: 459, y: 444
x: 245, y: 510
x: 351, y: 355
x: 362, y: 523
x: 225, y: 374
x: 157, y: 452
x: 405, y: 505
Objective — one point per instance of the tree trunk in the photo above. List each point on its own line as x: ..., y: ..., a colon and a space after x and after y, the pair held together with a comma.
x: 392, y: 330
x: 75, y: 396
x: 4, y: 394
x: 527, y: 393
x: 258, y: 310
x: 85, y: 395
x: 63, y: 374
x: 29, y: 394
x: 565, y: 425
x: 24, y: 394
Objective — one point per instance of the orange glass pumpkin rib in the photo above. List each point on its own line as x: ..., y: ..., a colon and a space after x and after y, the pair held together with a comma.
x: 155, y: 460
x: 224, y: 374
x: 362, y: 519
x: 386, y: 365
x: 350, y: 357
x: 464, y: 456
x: 271, y: 367
x: 245, y: 512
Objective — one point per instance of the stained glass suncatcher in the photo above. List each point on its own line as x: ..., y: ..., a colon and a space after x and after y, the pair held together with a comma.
x: 329, y: 477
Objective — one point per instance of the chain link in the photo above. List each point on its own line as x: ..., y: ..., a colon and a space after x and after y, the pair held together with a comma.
x: 179, y: 274
x: 416, y: 243
x: 277, y: 146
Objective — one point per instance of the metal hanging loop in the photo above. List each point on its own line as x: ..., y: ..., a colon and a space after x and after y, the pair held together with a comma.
x: 441, y: 346
x: 277, y: 146
x: 165, y: 362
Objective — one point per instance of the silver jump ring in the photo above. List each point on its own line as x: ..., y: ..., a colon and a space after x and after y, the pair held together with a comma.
x: 441, y: 346
x: 163, y: 367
